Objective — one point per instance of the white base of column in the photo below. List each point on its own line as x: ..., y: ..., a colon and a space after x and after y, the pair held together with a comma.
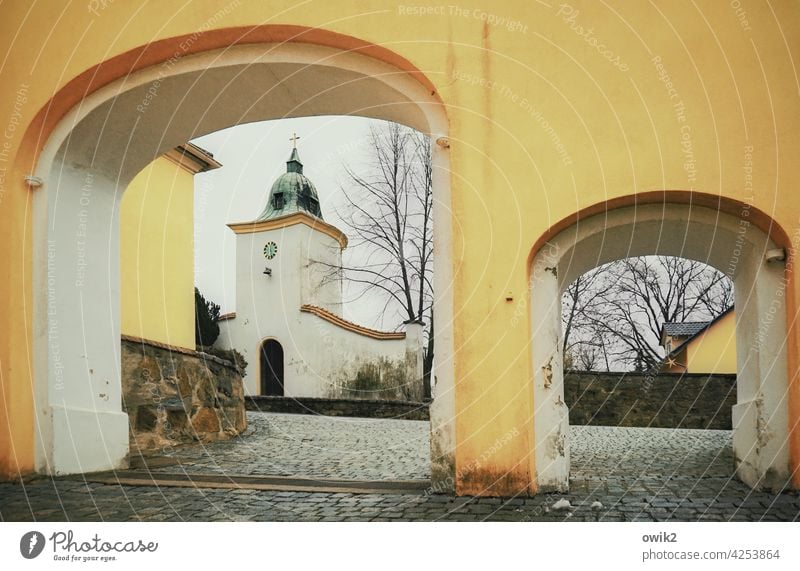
x: 760, y: 462
x: 443, y: 441
x: 745, y: 452
x: 88, y: 441
x: 552, y: 445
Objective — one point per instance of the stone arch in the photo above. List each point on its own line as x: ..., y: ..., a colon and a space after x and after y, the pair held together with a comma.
x: 134, y: 114
x: 734, y: 238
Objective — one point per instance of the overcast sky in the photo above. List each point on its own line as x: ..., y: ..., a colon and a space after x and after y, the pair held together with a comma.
x: 252, y: 157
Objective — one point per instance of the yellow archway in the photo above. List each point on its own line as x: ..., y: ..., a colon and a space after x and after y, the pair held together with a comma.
x: 100, y: 144
x: 733, y: 237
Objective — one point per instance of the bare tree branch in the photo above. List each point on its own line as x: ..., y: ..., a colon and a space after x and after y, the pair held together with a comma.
x: 388, y: 207
x: 617, y: 311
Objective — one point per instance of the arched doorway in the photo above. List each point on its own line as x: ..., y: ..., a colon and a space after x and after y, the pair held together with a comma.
x: 87, y: 163
x: 729, y: 242
x: 271, y: 368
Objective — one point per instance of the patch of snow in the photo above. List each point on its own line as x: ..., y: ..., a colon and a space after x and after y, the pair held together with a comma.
x: 561, y: 504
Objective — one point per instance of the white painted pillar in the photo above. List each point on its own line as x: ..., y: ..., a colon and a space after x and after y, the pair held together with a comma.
x: 443, y: 406
x: 551, y: 414
x: 76, y: 310
x: 774, y: 458
x: 761, y: 416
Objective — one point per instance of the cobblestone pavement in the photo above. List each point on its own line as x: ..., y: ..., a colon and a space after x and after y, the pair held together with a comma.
x: 607, y: 458
x: 315, y: 446
x: 636, y: 474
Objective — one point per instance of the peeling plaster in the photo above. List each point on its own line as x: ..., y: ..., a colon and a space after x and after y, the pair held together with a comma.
x: 548, y: 373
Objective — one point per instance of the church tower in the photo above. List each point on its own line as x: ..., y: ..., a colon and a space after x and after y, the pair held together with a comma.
x: 287, y: 258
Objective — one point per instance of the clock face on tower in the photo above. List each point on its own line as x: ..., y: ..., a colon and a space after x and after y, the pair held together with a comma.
x: 270, y: 250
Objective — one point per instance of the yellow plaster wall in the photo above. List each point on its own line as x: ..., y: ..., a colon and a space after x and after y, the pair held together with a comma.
x: 516, y: 86
x: 157, y: 255
x: 714, y: 350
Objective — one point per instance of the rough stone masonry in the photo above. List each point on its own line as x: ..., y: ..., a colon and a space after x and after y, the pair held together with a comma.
x: 657, y: 401
x: 174, y: 395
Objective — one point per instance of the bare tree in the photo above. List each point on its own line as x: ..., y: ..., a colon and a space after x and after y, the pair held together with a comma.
x: 584, y: 347
x: 616, y: 312
x: 578, y: 307
x: 388, y: 209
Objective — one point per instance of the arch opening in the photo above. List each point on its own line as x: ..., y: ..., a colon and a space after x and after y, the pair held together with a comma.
x: 649, y: 373
x: 732, y: 245
x: 111, y: 135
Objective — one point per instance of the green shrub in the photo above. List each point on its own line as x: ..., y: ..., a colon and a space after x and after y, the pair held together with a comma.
x: 206, y: 328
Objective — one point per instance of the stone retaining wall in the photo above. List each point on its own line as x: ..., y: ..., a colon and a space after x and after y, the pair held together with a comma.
x: 662, y: 401
x: 604, y: 399
x: 340, y: 407
x: 174, y: 395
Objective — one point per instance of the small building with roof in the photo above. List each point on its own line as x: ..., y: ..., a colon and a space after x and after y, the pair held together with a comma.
x: 289, y: 322
x: 701, y: 346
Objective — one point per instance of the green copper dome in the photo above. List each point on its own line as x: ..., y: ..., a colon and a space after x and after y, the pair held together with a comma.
x: 291, y: 192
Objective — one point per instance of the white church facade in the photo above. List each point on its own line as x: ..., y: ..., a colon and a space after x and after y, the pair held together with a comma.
x: 288, y: 321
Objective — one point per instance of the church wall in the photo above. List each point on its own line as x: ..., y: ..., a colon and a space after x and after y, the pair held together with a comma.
x: 272, y: 295
x: 322, y: 284
x: 334, y: 362
x: 265, y: 304
x: 321, y: 359
x: 157, y: 255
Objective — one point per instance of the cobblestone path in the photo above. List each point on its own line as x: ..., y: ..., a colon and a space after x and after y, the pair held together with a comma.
x: 635, y: 475
x: 315, y: 446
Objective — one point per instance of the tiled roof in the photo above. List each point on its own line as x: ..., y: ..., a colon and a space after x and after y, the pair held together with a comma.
x: 684, y: 329
x: 349, y: 325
